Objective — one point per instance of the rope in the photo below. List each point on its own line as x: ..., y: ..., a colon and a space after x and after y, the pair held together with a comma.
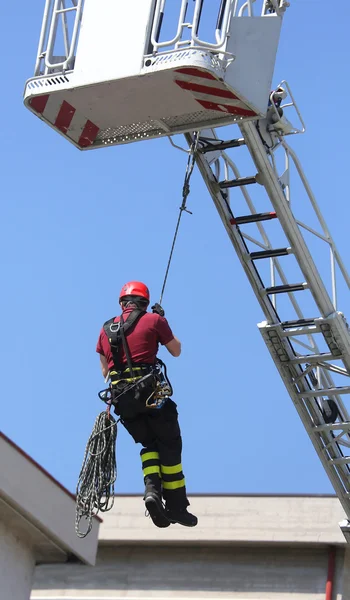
x: 95, y: 488
x: 183, y: 208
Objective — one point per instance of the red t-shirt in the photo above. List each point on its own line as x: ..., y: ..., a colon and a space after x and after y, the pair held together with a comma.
x: 143, y: 341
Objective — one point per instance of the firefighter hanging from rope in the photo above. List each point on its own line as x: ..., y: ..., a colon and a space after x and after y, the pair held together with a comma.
x: 128, y: 347
x: 140, y: 393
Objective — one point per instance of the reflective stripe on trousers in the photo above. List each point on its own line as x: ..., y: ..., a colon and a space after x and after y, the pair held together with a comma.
x: 171, y: 475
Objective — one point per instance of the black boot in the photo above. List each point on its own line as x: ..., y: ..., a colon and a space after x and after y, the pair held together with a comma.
x: 153, y: 501
x: 181, y: 516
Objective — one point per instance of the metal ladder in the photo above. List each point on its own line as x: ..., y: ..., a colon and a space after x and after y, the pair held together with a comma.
x: 309, y: 349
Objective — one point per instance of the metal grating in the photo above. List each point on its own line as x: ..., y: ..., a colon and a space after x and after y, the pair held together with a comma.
x: 202, y: 116
x: 132, y: 130
x: 150, y: 129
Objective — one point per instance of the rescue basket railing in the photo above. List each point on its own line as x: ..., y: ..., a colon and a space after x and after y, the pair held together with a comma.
x: 56, y: 21
x: 222, y: 26
x: 44, y: 27
x: 247, y: 6
x: 221, y: 31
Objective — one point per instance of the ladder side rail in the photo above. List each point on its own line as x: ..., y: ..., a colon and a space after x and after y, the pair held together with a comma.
x: 333, y: 276
x: 286, y: 218
x: 42, y: 38
x: 317, y: 210
x: 325, y: 236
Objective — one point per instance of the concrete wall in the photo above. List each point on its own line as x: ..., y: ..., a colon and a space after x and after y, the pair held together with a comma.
x: 238, y: 573
x: 17, y: 565
x: 34, y: 496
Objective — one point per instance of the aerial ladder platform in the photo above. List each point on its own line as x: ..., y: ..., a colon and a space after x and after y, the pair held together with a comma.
x: 148, y: 81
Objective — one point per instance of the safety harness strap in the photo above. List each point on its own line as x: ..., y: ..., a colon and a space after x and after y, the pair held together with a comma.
x: 116, y: 334
x: 125, y: 344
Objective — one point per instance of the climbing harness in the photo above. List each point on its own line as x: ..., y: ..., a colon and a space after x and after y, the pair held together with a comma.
x: 183, y: 208
x: 120, y: 384
x: 95, y: 488
x: 162, y: 392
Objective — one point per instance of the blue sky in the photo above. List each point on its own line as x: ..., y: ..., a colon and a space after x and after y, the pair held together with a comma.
x: 75, y: 226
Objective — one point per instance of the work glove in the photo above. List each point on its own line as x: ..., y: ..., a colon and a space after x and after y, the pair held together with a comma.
x: 156, y: 308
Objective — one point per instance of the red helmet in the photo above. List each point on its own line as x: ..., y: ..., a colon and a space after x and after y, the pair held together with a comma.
x: 134, y: 288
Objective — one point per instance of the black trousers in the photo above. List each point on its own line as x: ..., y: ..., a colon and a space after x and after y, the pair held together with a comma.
x: 159, y: 433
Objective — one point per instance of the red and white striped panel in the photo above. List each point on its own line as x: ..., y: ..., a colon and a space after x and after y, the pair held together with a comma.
x: 65, y: 118
x: 210, y: 92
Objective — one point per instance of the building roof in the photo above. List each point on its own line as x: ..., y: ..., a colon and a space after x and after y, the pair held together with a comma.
x: 39, y: 509
x: 232, y: 519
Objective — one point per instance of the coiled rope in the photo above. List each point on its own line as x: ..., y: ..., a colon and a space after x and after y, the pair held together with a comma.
x: 95, y: 488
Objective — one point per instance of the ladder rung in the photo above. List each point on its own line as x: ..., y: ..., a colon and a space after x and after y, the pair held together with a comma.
x: 237, y: 182
x: 298, y: 323
x: 312, y: 358
x: 270, y: 253
x: 340, y: 461
x: 307, y: 330
x: 334, y: 391
x: 213, y: 146
x: 282, y: 289
x: 65, y: 10
x: 253, y: 218
x: 345, y: 426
